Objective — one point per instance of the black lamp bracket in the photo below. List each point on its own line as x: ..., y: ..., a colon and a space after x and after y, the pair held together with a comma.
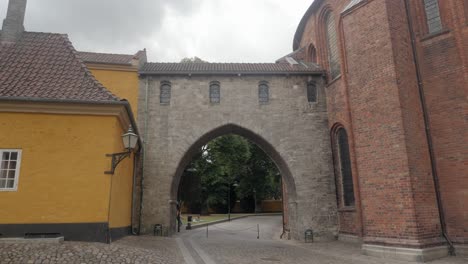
x: 116, y: 159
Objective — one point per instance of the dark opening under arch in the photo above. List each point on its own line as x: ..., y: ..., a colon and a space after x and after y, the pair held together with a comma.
x: 287, y: 178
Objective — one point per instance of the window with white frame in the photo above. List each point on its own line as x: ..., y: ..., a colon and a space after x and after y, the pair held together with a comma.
x: 9, y: 169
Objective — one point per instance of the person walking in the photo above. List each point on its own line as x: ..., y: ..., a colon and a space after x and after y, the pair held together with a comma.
x: 178, y: 217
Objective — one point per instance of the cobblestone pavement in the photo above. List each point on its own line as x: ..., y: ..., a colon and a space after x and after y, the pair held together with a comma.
x: 128, y: 250
x: 236, y: 242
x: 233, y: 242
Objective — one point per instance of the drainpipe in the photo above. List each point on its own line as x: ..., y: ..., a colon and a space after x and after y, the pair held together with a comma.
x: 428, y: 131
x: 144, y: 152
x: 135, y: 172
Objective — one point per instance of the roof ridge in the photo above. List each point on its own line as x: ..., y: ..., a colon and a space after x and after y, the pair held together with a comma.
x: 70, y: 46
x: 201, y: 63
x: 104, y: 53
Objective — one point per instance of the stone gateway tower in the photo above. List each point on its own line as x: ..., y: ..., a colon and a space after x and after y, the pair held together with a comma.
x: 279, y: 106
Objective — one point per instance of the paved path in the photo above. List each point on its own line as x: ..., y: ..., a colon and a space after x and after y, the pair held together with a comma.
x: 236, y: 242
x: 141, y: 250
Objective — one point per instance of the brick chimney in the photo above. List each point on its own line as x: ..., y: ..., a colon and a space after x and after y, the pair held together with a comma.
x: 13, y: 23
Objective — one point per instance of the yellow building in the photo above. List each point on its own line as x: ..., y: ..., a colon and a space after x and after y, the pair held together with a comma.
x: 117, y: 72
x: 58, y: 126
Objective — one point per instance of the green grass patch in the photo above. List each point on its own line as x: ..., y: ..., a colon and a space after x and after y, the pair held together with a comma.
x: 203, y: 219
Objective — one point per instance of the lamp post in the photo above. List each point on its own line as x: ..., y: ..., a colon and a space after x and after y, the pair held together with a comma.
x: 130, y: 141
x: 229, y: 200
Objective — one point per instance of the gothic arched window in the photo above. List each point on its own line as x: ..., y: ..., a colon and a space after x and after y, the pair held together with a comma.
x: 343, y: 163
x: 165, y: 92
x: 263, y: 92
x: 311, y: 54
x: 332, y: 46
x: 434, y: 24
x: 215, y: 92
x: 312, y: 92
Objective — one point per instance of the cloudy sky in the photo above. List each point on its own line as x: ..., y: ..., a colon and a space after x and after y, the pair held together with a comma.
x: 214, y: 30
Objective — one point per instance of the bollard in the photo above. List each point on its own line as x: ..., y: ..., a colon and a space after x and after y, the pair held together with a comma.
x: 158, y: 230
x: 309, y: 236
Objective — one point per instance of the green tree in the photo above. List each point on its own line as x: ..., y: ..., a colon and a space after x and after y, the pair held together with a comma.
x: 193, y: 60
x: 223, y: 163
x: 262, y: 180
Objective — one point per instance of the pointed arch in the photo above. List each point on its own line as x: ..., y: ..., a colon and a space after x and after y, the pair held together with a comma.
x: 246, y: 133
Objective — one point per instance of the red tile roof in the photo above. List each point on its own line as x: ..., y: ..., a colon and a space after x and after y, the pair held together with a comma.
x: 107, y: 58
x: 230, y: 68
x: 46, y: 66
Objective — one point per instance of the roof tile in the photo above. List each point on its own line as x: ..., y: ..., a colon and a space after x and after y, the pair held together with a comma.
x: 230, y: 68
x: 106, y: 58
x: 46, y: 66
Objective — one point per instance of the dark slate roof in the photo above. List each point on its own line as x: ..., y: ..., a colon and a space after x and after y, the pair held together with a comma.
x: 229, y: 68
x: 46, y: 66
x: 107, y: 58
x: 298, y: 55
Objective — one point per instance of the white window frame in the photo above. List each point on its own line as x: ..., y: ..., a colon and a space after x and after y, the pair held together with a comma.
x: 17, y: 169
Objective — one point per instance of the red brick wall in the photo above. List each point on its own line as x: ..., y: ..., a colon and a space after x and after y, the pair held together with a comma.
x: 443, y: 59
x: 384, y: 173
x: 338, y: 108
x: 377, y: 100
x: 423, y: 190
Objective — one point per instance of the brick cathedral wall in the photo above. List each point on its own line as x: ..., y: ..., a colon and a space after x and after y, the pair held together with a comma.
x: 338, y: 109
x: 377, y: 100
x: 423, y: 191
x: 443, y: 59
x: 386, y: 190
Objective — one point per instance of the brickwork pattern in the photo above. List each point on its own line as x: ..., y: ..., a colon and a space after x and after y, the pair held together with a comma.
x: 378, y: 101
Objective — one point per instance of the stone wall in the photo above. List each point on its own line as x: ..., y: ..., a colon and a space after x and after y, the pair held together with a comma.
x: 292, y: 131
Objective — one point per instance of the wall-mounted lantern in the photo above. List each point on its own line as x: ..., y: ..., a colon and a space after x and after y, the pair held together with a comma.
x: 130, y: 141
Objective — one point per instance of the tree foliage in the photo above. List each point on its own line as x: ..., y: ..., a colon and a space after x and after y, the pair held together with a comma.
x: 193, y: 60
x: 229, y: 163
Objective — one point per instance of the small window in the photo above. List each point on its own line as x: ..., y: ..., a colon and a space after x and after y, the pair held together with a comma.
x: 9, y: 169
x: 434, y: 24
x: 263, y: 92
x: 165, y: 93
x: 344, y: 163
x: 332, y: 45
x: 215, y: 93
x: 311, y: 54
x: 312, y: 92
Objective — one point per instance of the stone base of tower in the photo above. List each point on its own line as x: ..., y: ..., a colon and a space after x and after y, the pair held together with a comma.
x: 461, y: 250
x: 407, y: 250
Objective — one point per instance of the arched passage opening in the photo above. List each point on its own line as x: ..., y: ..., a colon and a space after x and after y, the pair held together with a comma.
x: 289, y: 188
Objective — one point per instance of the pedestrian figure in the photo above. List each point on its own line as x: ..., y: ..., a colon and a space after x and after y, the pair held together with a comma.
x: 178, y: 217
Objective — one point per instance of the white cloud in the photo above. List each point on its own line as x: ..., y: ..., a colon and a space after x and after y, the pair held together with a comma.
x: 214, y: 30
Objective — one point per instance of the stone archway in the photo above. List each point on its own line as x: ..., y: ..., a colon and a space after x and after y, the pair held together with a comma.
x: 289, y: 128
x: 281, y: 164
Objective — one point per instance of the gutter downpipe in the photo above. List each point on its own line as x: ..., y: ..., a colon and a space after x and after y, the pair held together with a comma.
x: 145, y: 133
x: 422, y: 98
x: 135, y: 171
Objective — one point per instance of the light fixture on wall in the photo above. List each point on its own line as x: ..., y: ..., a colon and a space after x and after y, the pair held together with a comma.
x: 130, y: 140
